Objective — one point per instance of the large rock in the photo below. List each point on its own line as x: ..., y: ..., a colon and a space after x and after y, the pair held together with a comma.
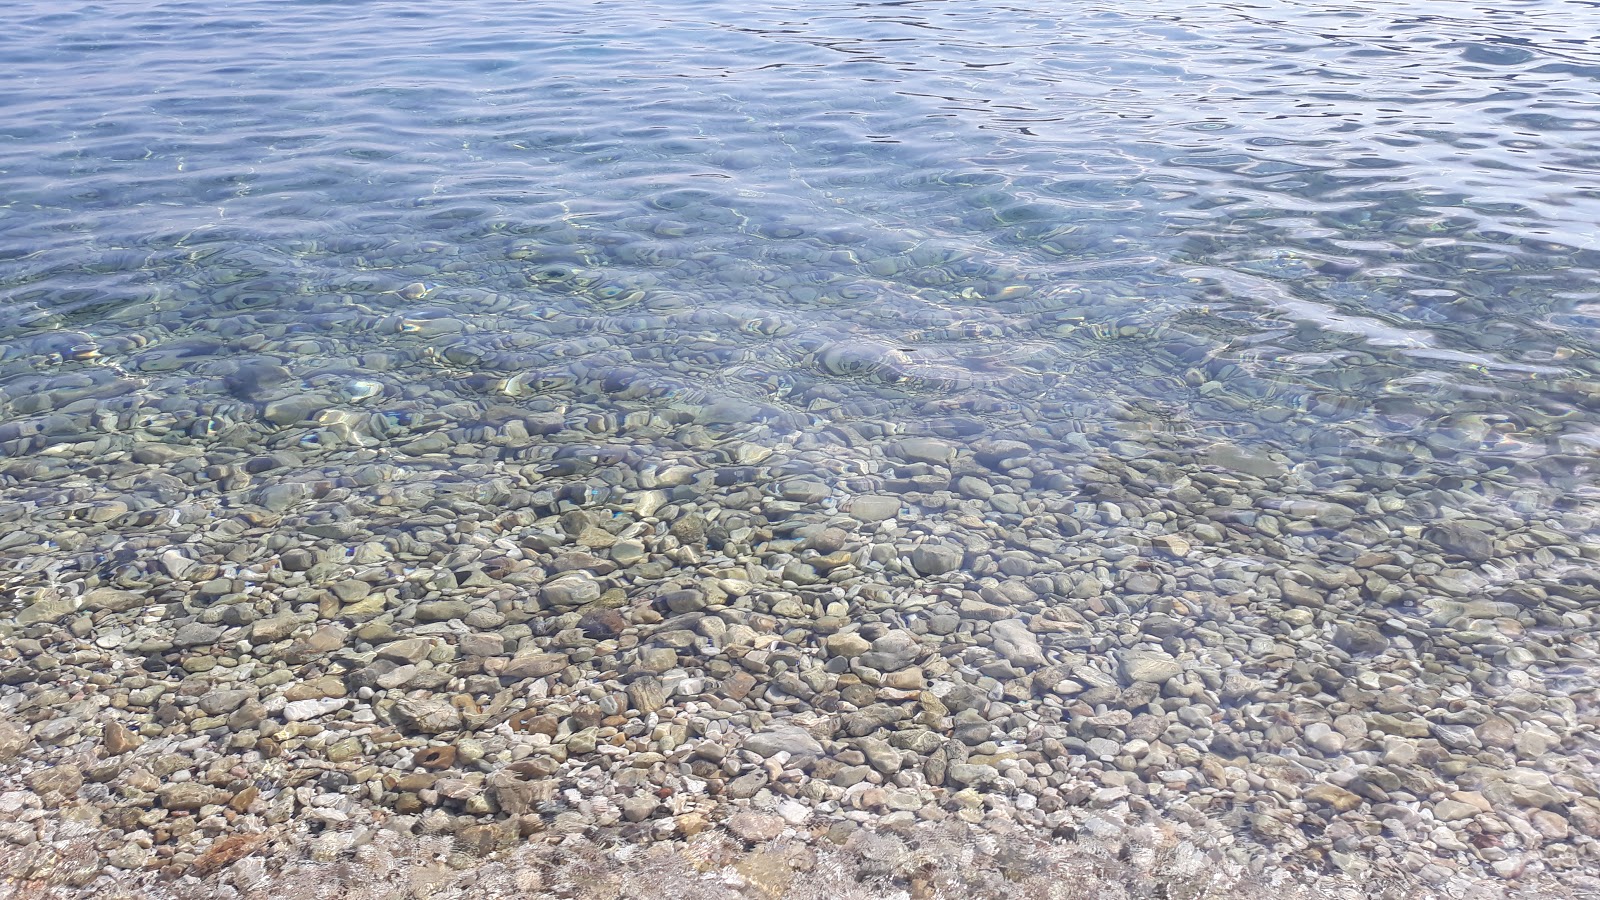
x: 790, y: 739
x: 570, y: 590
x: 430, y: 715
x: 936, y: 558
x: 893, y: 651
x: 1470, y: 540
x: 534, y: 665
x: 1150, y: 667
x: 1016, y: 643
x: 197, y: 635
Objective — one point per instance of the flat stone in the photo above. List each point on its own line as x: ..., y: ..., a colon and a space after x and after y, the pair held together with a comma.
x: 1149, y: 666
x: 197, y: 635
x: 1017, y: 644
x: 754, y: 827
x: 893, y: 651
x: 936, y: 558
x: 1332, y: 795
x: 791, y: 739
x: 875, y: 508
x: 46, y: 611
x: 570, y: 590
x: 432, y: 715
x: 847, y: 644
x: 443, y: 610
x: 1448, y: 810
x: 305, y: 710
x: 535, y: 665
x: 1359, y: 638
x: 1244, y: 462
x: 222, y: 702
x: 189, y: 795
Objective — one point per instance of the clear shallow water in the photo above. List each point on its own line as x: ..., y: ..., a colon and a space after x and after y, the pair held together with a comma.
x: 1280, y: 223
x: 424, y: 276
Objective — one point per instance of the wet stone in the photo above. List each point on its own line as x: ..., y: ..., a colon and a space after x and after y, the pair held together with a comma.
x: 934, y: 559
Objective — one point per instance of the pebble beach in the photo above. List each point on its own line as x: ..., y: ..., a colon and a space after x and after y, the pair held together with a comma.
x: 528, y: 474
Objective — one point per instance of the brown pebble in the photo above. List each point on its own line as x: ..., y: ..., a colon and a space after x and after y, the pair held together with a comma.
x: 242, y: 800
x: 436, y: 757
x: 119, y: 739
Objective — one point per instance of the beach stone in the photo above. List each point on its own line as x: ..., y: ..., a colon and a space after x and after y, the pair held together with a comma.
x: 895, y: 650
x: 1448, y: 810
x: 639, y: 807
x: 1173, y: 544
x: 272, y: 630
x: 936, y: 558
x: 197, y: 635
x: 925, y: 450
x: 847, y: 643
x: 881, y: 756
x: 189, y: 796
x: 534, y: 665
x: 790, y: 739
x: 1017, y: 644
x: 569, y: 590
x: 627, y: 552
x: 689, y: 529
x: 1360, y: 638
x: 755, y: 827
x: 1535, y: 740
x: 1149, y: 666
x: 1236, y: 459
x: 647, y: 694
x: 222, y: 702
x: 13, y: 740
x: 874, y: 508
x: 117, y: 737
x: 1332, y: 795
x: 1467, y: 539
x: 305, y: 710
x: 49, y: 610
x: 113, y: 600
x: 443, y: 610
x: 431, y: 715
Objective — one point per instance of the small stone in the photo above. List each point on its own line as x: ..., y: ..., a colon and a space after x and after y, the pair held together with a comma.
x: 197, y: 635
x: 1453, y: 810
x: 646, y: 694
x: 189, y: 795
x: 305, y: 710
x: 1172, y: 544
x: 1360, y: 638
